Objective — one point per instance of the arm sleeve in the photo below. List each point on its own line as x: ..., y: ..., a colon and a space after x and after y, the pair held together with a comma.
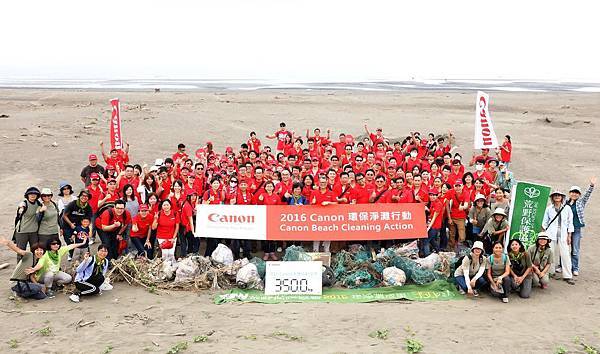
x: 84, y: 264
x: 546, y: 219
x: 482, y: 268
x: 570, y: 227
x: 587, y: 196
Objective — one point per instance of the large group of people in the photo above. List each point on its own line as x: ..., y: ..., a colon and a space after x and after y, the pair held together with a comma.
x: 150, y: 210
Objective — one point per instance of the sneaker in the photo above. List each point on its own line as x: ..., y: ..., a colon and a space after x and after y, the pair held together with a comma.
x: 461, y: 291
x: 569, y: 281
x: 559, y: 270
x: 50, y: 294
x: 505, y: 300
x: 274, y: 256
x: 106, y: 286
x: 575, y: 272
x: 74, y: 298
x: 475, y: 293
x: 69, y: 258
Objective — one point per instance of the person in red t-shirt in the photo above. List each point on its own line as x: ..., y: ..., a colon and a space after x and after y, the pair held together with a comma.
x: 164, y: 183
x: 96, y: 193
x: 254, y: 143
x: 360, y: 193
x: 141, y: 226
x: 191, y: 245
x: 269, y: 197
x: 117, y: 158
x: 127, y: 177
x: 340, y: 145
x: 377, y: 137
x: 505, y: 151
x: 322, y: 196
x: 180, y: 155
x: 113, y: 222
x: 111, y: 194
x: 419, y: 191
x: 436, y: 216
x: 166, y: 224
x: 457, y: 213
x: 212, y: 196
x: 281, y: 135
x: 378, y: 194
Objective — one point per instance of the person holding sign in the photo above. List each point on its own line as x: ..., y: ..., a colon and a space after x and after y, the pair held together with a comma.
x: 322, y: 196
x: 577, y: 204
x: 558, y: 224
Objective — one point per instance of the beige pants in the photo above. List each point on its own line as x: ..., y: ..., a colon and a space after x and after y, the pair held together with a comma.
x: 562, y: 257
x: 459, y: 225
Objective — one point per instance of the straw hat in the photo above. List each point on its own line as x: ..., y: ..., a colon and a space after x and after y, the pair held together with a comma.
x: 46, y: 191
x: 477, y: 244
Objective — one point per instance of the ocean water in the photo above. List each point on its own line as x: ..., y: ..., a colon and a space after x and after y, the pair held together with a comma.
x: 253, y: 85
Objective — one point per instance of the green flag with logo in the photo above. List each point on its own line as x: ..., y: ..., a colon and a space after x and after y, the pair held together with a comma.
x: 527, y: 208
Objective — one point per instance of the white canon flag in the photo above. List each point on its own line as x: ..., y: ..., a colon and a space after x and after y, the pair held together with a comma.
x: 485, y: 137
x: 231, y: 221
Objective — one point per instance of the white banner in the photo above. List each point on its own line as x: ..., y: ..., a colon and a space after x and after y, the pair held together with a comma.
x: 232, y: 221
x: 485, y: 137
x: 292, y: 278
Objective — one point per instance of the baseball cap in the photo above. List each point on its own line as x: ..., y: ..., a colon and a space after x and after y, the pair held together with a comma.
x: 94, y: 175
x: 111, y: 180
x: 458, y: 183
x: 144, y: 207
x: 92, y: 157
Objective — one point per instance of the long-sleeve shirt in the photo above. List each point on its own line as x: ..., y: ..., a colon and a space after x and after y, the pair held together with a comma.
x: 86, y: 269
x: 471, y: 269
x: 562, y: 225
x: 580, y: 205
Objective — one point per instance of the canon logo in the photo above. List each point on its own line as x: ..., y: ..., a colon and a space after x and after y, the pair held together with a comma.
x: 236, y: 219
x: 485, y: 130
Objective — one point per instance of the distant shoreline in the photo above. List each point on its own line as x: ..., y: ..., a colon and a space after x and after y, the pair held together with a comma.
x: 171, y: 85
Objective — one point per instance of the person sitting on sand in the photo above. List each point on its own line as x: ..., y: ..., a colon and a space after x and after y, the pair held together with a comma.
x: 520, y: 268
x: 541, y: 257
x: 469, y: 275
x: 90, y: 276
x: 494, y: 230
x: 498, y: 271
x: 48, y: 268
x: 26, y: 286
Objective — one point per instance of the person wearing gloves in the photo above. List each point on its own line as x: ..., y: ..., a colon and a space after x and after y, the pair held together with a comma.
x: 90, y: 276
x: 541, y: 258
x: 577, y: 204
x: 469, y: 275
x: 558, y: 224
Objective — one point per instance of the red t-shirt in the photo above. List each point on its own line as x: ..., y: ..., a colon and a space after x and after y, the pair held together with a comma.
x: 273, y: 199
x: 437, y: 207
x: 143, y: 225
x: 211, y: 193
x: 166, y: 225
x: 317, y: 197
x: 506, y: 155
x: 95, y: 196
x: 106, y: 219
x: 186, y: 212
x: 281, y: 136
x: 254, y: 145
x: 243, y: 198
x: 456, y: 201
x: 134, y: 181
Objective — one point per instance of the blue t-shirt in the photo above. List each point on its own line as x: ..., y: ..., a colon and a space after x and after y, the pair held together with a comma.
x: 576, y: 221
x: 79, y: 232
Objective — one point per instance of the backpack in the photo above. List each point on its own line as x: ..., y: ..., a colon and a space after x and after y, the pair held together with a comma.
x: 28, y: 290
x: 459, y: 261
x: 18, y: 216
x: 504, y: 259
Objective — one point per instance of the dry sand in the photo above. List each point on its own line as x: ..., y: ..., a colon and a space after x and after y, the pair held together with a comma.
x: 559, y: 153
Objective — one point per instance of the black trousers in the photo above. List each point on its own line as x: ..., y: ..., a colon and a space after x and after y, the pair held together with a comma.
x: 90, y: 286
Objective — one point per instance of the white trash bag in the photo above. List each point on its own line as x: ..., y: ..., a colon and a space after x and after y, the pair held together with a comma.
x: 393, y: 276
x: 222, y: 254
x: 247, y: 277
x: 186, y: 270
x: 428, y: 262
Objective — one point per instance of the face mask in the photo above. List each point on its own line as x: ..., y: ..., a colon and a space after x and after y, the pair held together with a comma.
x: 479, y: 167
x: 413, y: 154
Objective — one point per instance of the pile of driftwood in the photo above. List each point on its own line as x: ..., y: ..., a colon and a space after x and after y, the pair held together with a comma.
x: 193, y: 273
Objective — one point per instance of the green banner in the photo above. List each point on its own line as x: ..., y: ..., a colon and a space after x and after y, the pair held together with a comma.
x: 439, y: 290
x: 527, y: 208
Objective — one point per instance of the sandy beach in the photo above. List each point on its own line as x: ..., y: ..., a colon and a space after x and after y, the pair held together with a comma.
x: 47, y: 135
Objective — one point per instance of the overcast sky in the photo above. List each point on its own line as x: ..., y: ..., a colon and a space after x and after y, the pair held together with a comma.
x: 301, y: 40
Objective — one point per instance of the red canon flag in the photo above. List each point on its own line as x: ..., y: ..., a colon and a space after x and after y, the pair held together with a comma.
x: 116, y: 139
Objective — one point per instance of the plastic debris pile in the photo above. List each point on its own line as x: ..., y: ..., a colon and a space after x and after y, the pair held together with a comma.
x: 394, y: 266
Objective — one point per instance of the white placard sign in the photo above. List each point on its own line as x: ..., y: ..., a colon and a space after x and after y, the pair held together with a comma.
x: 294, y: 278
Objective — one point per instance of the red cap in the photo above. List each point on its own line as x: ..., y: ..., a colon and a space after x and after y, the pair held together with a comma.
x: 228, y: 149
x: 92, y: 157
x: 94, y: 175
x: 144, y: 207
x: 110, y: 180
x: 110, y: 167
x: 315, y: 159
x: 192, y: 192
x: 458, y: 183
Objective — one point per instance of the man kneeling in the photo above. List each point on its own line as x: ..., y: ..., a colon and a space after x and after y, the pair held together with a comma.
x: 89, y: 279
